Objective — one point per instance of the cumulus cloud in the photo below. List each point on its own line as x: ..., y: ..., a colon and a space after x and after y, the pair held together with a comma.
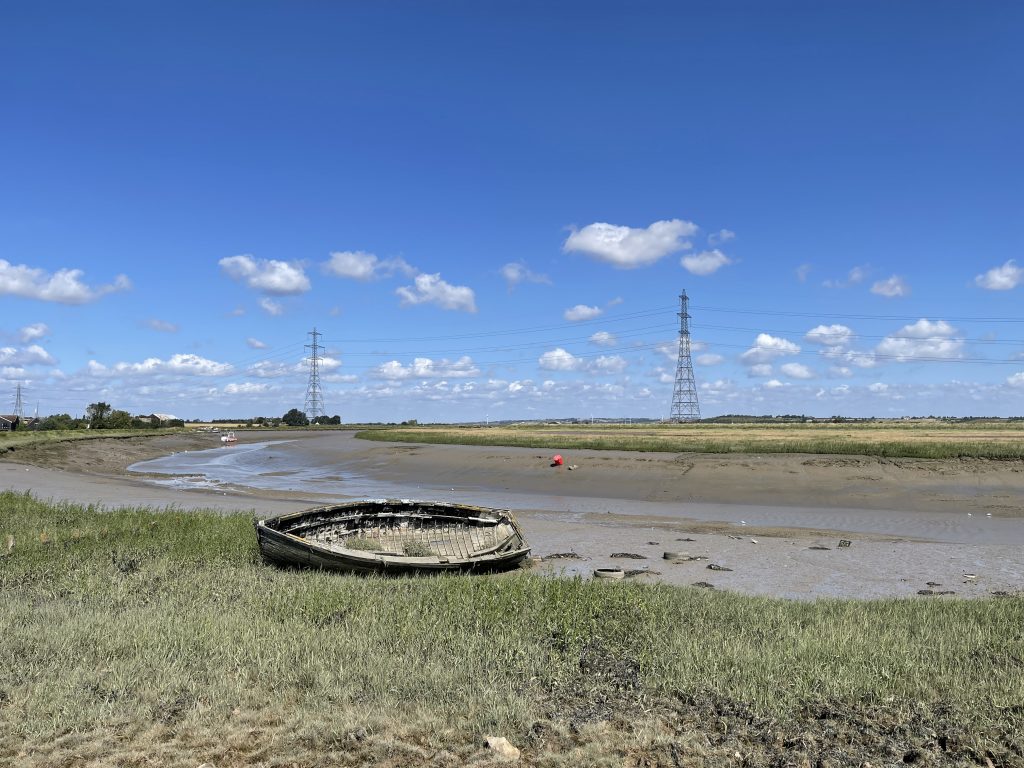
x: 161, y: 325
x: 796, y: 371
x: 709, y: 359
x: 182, y: 364
x: 431, y: 289
x: 721, y: 236
x: 767, y: 348
x: 516, y: 272
x: 30, y: 355
x: 276, y: 278
x: 559, y: 360
x: 271, y: 307
x: 603, y: 339
x: 246, y: 388
x: 891, y: 287
x: 705, y: 263
x: 760, y: 370
x: 1003, y: 278
x: 33, y: 332
x: 630, y: 247
x: 878, y: 387
x: 922, y: 340
x: 255, y: 343
x: 829, y: 335
x: 360, y: 265
x: 774, y: 384
x: 1016, y: 380
x: 63, y: 287
x: 582, y: 312
x: 608, y: 364
x: 425, y: 368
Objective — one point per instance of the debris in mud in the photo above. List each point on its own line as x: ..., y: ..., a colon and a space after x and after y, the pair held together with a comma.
x: 654, y: 543
x: 738, y: 538
x: 641, y: 572
x: 563, y: 556
x: 844, y: 543
x: 936, y: 592
x: 819, y: 547
x: 704, y: 584
x: 932, y: 584
x: 682, y: 557
x: 571, y: 467
x: 627, y: 556
x: 717, y: 567
x: 686, y: 539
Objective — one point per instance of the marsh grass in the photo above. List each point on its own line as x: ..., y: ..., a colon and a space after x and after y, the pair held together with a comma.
x: 887, y: 440
x: 141, y: 623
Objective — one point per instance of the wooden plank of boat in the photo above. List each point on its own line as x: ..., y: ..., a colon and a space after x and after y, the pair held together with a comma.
x: 394, y: 536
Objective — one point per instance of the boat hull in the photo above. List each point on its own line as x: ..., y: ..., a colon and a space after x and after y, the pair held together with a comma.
x: 394, y: 536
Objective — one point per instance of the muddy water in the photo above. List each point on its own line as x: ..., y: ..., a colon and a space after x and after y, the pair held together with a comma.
x: 340, y: 473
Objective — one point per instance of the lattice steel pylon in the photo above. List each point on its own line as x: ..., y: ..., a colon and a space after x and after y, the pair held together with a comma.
x: 18, y: 407
x: 684, y: 396
x: 314, y: 399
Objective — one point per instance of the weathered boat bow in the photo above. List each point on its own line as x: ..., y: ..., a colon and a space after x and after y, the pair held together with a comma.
x: 394, y: 536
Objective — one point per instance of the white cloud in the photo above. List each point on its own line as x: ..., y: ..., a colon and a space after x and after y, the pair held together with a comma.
x: 269, y: 370
x: 431, y: 289
x: 582, y: 312
x: 840, y: 371
x: 1003, y: 278
x: 246, y: 388
x: 64, y: 286
x: 255, y: 343
x: 829, y: 335
x: 709, y: 359
x: 359, y: 265
x: 516, y: 272
x: 923, y: 339
x: 276, y: 278
x: 721, y: 236
x: 891, y: 287
x: 425, y: 368
x: 30, y: 355
x: 271, y: 307
x: 609, y: 364
x: 767, y: 348
x: 878, y: 387
x: 630, y: 247
x: 161, y: 325
x: 796, y: 371
x: 559, y: 360
x: 773, y: 384
x: 33, y: 332
x: 603, y: 339
x: 185, y: 364
x: 760, y: 370
x: 802, y: 272
x: 1016, y: 380
x: 705, y: 263
x: 853, y: 277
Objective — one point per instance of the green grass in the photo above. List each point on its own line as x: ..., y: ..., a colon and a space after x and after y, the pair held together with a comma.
x: 749, y: 439
x: 132, y: 620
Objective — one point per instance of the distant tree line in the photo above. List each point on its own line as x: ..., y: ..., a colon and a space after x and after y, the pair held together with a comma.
x: 104, y: 416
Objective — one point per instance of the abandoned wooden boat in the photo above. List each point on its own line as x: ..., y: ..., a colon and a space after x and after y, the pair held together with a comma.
x: 394, y: 536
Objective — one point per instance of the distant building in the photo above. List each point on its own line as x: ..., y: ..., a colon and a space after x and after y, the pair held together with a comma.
x: 9, y: 422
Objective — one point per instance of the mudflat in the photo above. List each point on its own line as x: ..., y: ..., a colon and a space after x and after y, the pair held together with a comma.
x: 772, y: 523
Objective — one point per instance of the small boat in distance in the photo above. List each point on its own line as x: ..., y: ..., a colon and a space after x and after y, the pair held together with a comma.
x: 229, y: 438
x: 395, y: 536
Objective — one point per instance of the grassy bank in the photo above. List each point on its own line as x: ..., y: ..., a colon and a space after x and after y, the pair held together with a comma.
x: 13, y: 441
x: 136, y: 637
x: 891, y: 440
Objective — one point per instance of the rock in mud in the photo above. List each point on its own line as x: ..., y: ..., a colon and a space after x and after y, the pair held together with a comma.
x: 627, y: 555
x: 500, y: 746
x: 717, y: 567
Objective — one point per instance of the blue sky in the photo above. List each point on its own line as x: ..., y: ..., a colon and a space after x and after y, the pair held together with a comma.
x: 489, y: 209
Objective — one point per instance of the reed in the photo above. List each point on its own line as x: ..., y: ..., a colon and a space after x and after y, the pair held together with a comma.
x: 1001, y: 443
x: 160, y: 632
